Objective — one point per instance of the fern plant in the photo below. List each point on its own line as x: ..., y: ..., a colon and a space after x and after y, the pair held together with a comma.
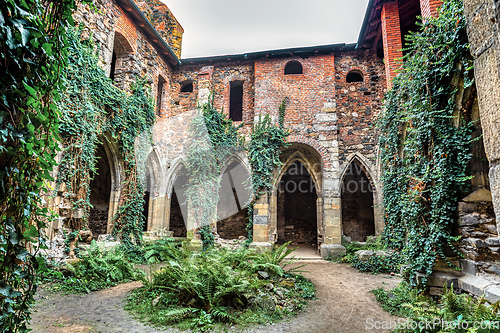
x: 275, y: 261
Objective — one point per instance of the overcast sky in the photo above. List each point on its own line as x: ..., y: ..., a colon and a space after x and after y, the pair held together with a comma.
x: 219, y: 27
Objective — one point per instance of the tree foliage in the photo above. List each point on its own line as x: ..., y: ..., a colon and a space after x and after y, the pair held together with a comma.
x: 33, y: 54
x: 425, y: 140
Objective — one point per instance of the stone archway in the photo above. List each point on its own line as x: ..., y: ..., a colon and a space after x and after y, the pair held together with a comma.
x: 296, y: 207
x: 176, y: 210
x: 234, y: 196
x: 105, y: 187
x: 357, y: 203
x: 306, y: 163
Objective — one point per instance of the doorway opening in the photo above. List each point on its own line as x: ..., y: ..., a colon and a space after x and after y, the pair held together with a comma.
x: 296, y: 207
x: 358, y: 219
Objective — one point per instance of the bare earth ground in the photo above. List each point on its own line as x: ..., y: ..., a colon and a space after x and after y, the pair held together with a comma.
x: 344, y: 305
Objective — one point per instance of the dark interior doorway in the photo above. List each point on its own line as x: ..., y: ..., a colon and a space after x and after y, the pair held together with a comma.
x: 297, y: 210
x: 100, y: 194
x: 178, y: 199
x: 358, y: 219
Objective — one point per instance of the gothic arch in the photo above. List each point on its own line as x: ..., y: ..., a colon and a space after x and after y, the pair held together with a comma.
x: 358, y: 206
x: 313, y: 163
x: 154, y: 185
x: 364, y: 163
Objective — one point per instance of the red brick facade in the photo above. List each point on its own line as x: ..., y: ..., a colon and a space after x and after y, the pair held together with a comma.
x: 391, y: 34
x: 429, y: 7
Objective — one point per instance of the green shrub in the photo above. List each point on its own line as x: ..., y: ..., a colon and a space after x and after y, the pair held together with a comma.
x: 375, y: 264
x: 219, y: 286
x: 94, y: 271
x: 455, y: 313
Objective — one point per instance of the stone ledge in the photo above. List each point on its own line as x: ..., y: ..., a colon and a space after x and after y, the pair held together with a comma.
x: 475, y: 285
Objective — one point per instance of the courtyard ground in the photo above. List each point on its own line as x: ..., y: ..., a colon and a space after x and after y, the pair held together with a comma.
x: 344, y: 305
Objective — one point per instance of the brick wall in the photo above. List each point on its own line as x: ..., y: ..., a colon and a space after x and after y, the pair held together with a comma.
x: 429, y: 7
x: 391, y: 34
x: 358, y: 103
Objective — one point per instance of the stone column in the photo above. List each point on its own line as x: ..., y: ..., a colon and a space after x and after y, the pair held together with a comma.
x: 261, y: 223
x: 483, y: 31
x: 391, y: 34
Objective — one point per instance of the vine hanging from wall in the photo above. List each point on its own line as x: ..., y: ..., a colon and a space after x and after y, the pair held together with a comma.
x: 425, y: 141
x: 33, y: 51
x: 93, y: 110
x: 264, y: 148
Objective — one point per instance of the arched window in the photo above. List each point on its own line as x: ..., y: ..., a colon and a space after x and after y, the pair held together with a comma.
x: 187, y: 87
x: 159, y: 94
x: 293, y: 67
x: 354, y: 76
x: 120, y: 58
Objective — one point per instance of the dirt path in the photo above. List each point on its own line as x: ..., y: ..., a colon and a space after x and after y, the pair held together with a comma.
x: 344, y: 305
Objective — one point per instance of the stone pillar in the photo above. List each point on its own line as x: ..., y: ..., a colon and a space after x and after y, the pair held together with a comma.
x: 261, y: 223
x: 156, y: 214
x: 483, y: 32
x: 429, y: 8
x: 391, y: 34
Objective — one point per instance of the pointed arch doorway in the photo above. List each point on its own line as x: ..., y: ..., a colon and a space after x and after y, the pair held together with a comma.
x: 358, y: 217
x: 297, y: 207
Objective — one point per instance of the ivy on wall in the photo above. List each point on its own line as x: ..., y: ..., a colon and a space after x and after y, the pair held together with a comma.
x: 425, y: 141
x: 264, y: 148
x: 93, y: 110
x: 33, y: 47
x: 204, y: 162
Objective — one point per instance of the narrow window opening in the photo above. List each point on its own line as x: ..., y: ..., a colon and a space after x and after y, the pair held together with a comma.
x: 159, y: 95
x: 293, y: 67
x: 187, y: 87
x: 354, y: 76
x: 113, y: 66
x: 236, y: 101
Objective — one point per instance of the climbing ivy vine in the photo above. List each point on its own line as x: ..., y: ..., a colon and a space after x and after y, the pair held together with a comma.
x: 33, y: 53
x: 204, y: 161
x: 264, y: 148
x: 425, y: 141
x: 93, y: 110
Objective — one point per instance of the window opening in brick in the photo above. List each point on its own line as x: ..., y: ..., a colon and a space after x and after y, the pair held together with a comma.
x: 354, y: 76
x: 187, y: 87
x: 233, y: 196
x: 236, y: 101
x: 159, y: 95
x: 113, y: 66
x: 120, y: 60
x: 297, y: 210
x: 358, y: 219
x: 100, y: 194
x: 293, y: 67
x: 178, y: 205
x: 147, y: 194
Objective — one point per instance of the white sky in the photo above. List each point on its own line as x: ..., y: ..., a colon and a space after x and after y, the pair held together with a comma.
x: 218, y: 27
